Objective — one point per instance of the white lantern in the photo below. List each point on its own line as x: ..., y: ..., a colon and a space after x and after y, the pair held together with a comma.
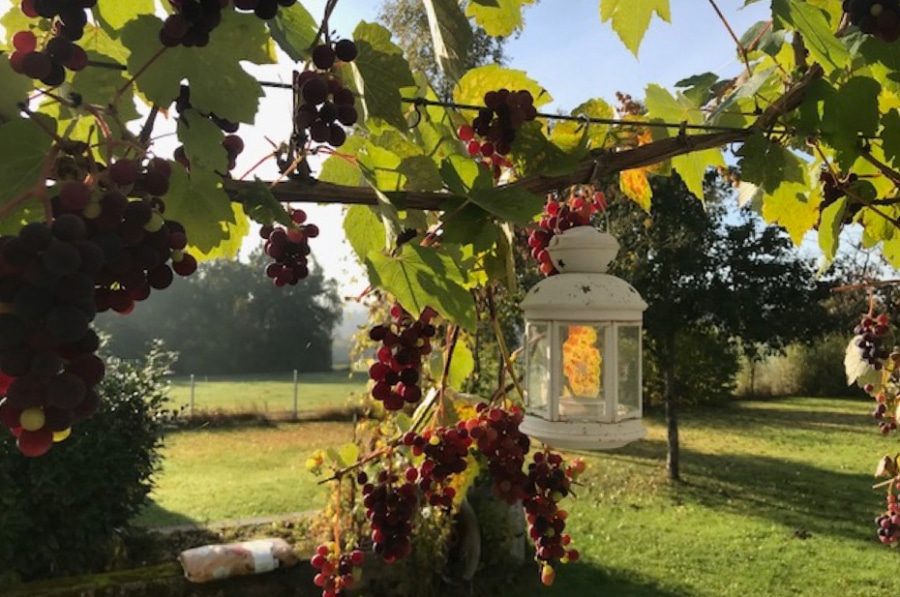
x: 583, y: 348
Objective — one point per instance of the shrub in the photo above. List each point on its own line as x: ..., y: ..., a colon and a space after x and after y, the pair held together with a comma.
x: 67, y: 512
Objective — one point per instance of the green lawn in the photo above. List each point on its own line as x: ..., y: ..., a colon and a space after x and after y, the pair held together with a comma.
x: 269, y: 393
x: 776, y: 501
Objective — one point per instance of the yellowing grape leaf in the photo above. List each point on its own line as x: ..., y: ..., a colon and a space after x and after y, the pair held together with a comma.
x: 631, y: 18
x: 499, y: 18
x: 478, y: 81
x: 830, y: 227
x: 636, y: 187
x: 793, y: 208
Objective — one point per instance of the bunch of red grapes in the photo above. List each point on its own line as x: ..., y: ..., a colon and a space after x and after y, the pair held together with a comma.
x: 880, y: 18
x: 562, y: 212
x: 390, y: 508
x: 338, y: 572
x: 49, y: 64
x: 324, y: 103
x: 871, y: 334
x: 548, y: 483
x: 289, y: 248
x: 492, y: 132
x: 397, y: 372
x: 444, y: 450
x: 102, y: 250
x: 495, y: 432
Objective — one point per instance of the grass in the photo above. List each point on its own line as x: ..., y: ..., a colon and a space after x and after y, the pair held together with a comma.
x: 216, y: 474
x: 776, y: 501
x: 269, y: 394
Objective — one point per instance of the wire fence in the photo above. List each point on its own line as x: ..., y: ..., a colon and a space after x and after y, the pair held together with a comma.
x: 290, y: 395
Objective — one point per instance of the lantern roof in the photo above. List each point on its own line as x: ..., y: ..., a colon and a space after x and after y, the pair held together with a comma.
x: 582, y: 291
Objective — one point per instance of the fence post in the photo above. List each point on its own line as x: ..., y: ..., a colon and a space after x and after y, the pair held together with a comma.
x: 295, y: 394
x: 192, y: 394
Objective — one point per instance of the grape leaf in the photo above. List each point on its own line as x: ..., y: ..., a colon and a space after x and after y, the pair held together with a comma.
x: 890, y: 136
x: 364, y: 230
x: 261, y: 205
x: 201, y: 205
x: 218, y: 83
x: 818, y: 34
x: 635, y: 185
x: 462, y: 364
x: 202, y: 140
x: 112, y: 16
x: 24, y: 147
x: 462, y: 174
x: 451, y: 35
x: 792, y: 207
x: 234, y: 230
x: 767, y: 41
x: 14, y: 90
x: 597, y: 134
x: 534, y: 153
x: 499, y: 18
x: 294, y: 30
x: 478, y: 81
x: 513, y: 204
x: 631, y: 18
x: 419, y: 278
x: 98, y: 85
x: 698, y: 89
x: 380, y: 73
x: 768, y: 165
x: 830, y: 227
x: 848, y: 113
x: 341, y: 167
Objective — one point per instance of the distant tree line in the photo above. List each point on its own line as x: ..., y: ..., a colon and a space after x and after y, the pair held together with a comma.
x: 230, y: 318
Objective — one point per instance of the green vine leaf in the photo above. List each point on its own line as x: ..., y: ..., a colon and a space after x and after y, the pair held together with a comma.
x: 23, y: 149
x: 218, y: 83
x: 818, y: 32
x: 451, y: 35
x: 768, y: 165
x: 364, y: 230
x: 380, y: 73
x: 478, y: 81
x: 792, y: 207
x: 830, y: 227
x: 420, y: 278
x: 113, y: 16
x: 294, y: 30
x: 631, y: 18
x: 14, y: 90
x: 202, y: 140
x: 499, y: 18
x: 261, y: 206
x: 848, y: 113
x: 512, y: 204
x: 890, y: 136
x: 534, y: 153
x: 341, y: 166
x: 198, y: 201
x: 462, y: 364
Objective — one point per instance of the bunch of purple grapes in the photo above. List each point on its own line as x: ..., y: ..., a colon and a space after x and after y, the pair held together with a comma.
x: 504, y: 113
x: 870, y: 337
x: 191, y: 22
x: 888, y: 523
x: 49, y: 64
x: 444, y: 450
x: 325, y: 104
x: 390, y: 508
x: 397, y: 372
x: 548, y: 483
x: 495, y: 432
x: 289, y: 247
x: 264, y: 9
x: 880, y: 18
x: 337, y: 573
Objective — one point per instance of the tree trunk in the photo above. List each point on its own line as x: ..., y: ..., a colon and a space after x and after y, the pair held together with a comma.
x: 671, y: 398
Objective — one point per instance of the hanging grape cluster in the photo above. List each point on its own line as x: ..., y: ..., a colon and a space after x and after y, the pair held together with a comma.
x: 289, y: 248
x: 48, y: 63
x: 833, y: 188
x: 324, y: 103
x: 495, y: 433
x: 444, y: 452
x: 337, y: 572
x: 870, y: 334
x: 397, y: 372
x: 561, y: 212
x: 192, y: 21
x: 880, y: 18
x: 390, y: 508
x: 492, y: 132
x: 102, y: 250
x: 548, y: 483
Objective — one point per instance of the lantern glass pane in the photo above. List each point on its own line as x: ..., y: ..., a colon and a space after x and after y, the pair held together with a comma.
x: 629, y: 372
x: 582, y: 392
x: 537, y: 384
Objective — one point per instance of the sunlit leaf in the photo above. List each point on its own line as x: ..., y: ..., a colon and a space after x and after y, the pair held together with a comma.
x: 631, y: 18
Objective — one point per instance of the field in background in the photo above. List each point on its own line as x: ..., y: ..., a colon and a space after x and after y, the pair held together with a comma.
x: 269, y: 394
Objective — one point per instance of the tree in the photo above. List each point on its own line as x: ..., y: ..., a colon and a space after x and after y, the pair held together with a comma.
x: 408, y: 22
x: 710, y: 283
x: 246, y: 324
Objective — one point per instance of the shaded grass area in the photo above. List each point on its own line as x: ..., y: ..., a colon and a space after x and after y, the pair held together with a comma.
x: 269, y: 393
x: 776, y: 501
x: 239, y: 472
